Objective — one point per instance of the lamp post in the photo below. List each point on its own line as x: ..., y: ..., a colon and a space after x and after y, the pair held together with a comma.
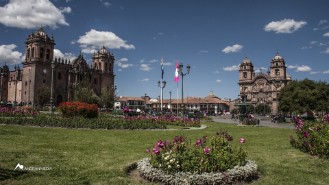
x: 170, y: 101
x: 52, y: 87
x: 114, y: 87
x: 182, y: 74
x: 162, y: 84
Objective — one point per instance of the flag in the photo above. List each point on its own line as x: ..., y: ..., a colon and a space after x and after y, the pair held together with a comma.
x: 176, y: 73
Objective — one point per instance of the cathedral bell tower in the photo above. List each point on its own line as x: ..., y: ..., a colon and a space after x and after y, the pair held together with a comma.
x: 39, y: 53
x: 278, y: 68
x: 103, y: 63
x: 246, y: 70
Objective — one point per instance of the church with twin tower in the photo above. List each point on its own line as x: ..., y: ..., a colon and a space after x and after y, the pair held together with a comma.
x: 263, y: 88
x: 23, y: 85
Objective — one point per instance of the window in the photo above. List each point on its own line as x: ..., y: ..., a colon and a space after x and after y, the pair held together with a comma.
x: 95, y: 81
x: 48, y: 54
x: 59, y: 76
x: 244, y: 74
x: 276, y: 64
x: 28, y: 53
x: 25, y: 83
x: 277, y: 72
x: 32, y: 53
x: 44, y: 81
x: 41, y: 52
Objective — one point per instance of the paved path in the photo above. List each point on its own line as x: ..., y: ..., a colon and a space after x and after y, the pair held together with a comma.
x: 266, y: 123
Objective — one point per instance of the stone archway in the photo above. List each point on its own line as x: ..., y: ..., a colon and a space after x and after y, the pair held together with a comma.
x: 59, y: 99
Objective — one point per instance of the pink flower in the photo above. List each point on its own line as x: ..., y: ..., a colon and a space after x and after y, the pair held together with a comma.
x: 206, y: 150
x: 306, y: 134
x: 147, y: 150
x: 161, y: 144
x: 198, y: 142
x: 242, y: 140
x: 156, y: 150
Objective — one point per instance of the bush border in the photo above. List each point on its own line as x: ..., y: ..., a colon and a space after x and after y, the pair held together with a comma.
x: 247, y: 172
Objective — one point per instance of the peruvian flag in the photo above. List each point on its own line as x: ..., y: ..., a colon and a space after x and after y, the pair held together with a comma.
x: 176, y: 73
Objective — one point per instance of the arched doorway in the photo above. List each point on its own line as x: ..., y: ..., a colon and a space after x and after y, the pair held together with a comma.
x: 59, y: 99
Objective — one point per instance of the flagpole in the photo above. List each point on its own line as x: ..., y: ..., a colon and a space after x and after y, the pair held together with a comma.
x: 177, y: 98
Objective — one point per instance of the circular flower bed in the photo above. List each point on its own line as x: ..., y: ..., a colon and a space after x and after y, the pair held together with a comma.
x: 236, y: 174
x: 206, y: 161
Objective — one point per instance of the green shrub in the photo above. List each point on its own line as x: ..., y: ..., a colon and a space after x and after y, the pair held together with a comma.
x: 312, y: 137
x: 205, y: 155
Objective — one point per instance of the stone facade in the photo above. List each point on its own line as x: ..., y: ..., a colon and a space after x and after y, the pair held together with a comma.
x: 263, y: 88
x: 23, y: 85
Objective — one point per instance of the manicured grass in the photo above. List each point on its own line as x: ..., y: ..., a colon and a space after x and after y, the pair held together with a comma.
x: 83, y: 156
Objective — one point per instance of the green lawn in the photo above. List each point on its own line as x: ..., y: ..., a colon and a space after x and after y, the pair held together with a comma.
x: 81, y: 156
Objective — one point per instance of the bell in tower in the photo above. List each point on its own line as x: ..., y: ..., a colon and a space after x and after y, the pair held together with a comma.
x: 278, y: 67
x: 39, y: 47
x: 246, y: 70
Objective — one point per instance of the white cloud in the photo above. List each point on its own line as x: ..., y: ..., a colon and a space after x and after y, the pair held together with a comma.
x: 232, y: 49
x: 231, y: 68
x: 153, y: 61
x: 9, y: 55
x: 285, y: 26
x: 145, y: 80
x: 94, y: 39
x: 105, y: 3
x: 60, y: 54
x: 322, y: 22
x: 313, y: 42
x: 314, y: 72
x: 257, y: 70
x: 302, y: 68
x: 32, y: 14
x: 122, y: 63
x: 292, y: 66
x: 167, y: 64
x: 326, y: 34
x: 203, y: 52
x: 145, y: 67
x: 327, y: 51
x: 218, y: 81
x: 326, y: 72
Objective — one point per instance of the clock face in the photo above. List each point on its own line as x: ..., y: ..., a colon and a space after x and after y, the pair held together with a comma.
x: 44, y: 71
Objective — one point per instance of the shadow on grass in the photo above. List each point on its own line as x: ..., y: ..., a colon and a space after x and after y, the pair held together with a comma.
x: 10, y: 174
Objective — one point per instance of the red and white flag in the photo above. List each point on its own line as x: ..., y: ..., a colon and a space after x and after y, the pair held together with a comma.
x: 176, y: 73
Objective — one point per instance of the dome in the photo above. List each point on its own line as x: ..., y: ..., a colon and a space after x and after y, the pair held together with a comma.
x: 103, y: 50
x: 41, y: 32
x: 246, y: 60
x: 277, y: 57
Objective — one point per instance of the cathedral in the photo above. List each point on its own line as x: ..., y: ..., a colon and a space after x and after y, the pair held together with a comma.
x: 263, y: 88
x: 40, y: 69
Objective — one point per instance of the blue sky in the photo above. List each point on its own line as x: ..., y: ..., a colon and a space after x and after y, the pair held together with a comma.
x: 212, y: 36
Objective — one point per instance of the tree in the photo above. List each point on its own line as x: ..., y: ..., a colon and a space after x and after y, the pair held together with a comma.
x: 262, y: 108
x: 306, y: 95
x: 43, y: 95
x: 107, y: 98
x: 85, y: 93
